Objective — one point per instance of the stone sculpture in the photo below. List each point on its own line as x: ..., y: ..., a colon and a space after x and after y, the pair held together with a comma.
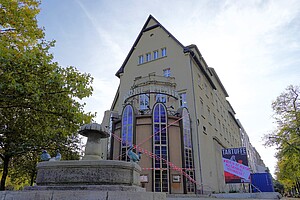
x: 133, y: 156
x: 45, y: 156
x: 94, y: 133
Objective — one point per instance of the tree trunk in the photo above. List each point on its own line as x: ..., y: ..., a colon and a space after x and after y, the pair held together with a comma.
x: 5, y: 172
x: 32, y: 177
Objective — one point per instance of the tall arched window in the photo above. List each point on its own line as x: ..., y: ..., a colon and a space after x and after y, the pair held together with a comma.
x: 188, y: 150
x: 127, y: 131
x: 160, y: 149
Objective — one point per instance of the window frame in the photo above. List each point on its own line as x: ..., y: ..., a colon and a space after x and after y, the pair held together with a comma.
x: 148, y: 57
x: 161, y: 175
x: 183, y: 101
x: 141, y: 59
x: 162, y: 98
x: 144, y: 98
x: 167, y: 72
x: 155, y: 54
x: 127, y: 131
x: 188, y: 156
x: 163, y: 52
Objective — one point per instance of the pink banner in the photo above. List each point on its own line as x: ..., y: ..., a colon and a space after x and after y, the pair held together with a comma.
x: 236, y: 168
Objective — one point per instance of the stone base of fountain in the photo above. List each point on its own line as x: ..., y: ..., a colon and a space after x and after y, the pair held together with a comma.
x: 86, y: 180
x: 80, y: 195
x: 109, y: 175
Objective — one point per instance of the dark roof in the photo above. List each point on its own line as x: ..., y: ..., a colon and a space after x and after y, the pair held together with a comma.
x: 202, y: 68
x: 231, y: 107
x: 234, y: 119
x: 219, y: 81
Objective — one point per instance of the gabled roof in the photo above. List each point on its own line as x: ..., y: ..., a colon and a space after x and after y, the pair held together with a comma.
x: 147, y: 26
x: 152, y: 23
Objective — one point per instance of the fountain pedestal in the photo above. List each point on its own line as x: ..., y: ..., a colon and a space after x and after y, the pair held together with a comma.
x: 108, y: 175
x: 94, y: 132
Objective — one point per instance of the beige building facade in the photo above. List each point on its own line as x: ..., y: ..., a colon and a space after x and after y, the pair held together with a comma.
x: 172, y: 107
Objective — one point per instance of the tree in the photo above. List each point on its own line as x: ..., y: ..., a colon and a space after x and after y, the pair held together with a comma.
x: 287, y: 136
x: 39, y: 100
x: 23, y: 170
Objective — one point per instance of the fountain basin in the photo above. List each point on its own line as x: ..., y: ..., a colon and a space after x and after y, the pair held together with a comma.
x: 89, y: 174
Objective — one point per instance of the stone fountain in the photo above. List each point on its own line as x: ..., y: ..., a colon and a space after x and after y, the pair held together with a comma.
x: 89, y: 178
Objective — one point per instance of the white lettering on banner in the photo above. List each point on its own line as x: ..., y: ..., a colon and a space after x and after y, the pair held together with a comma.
x: 236, y: 168
x: 241, y: 151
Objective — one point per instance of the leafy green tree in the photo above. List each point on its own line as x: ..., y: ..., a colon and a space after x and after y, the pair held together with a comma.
x: 278, y: 187
x: 287, y: 136
x: 23, y: 170
x: 39, y: 100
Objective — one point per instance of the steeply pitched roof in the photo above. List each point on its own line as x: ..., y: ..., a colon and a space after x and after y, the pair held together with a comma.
x: 147, y: 26
x: 152, y: 23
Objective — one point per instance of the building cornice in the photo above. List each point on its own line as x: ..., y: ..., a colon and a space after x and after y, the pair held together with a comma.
x: 202, y: 68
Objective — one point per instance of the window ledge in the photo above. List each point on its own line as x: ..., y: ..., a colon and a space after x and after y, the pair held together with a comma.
x: 151, y: 60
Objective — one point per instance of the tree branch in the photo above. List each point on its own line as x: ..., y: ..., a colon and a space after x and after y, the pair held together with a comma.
x: 1, y: 156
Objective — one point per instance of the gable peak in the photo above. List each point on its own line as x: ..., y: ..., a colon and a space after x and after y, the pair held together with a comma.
x: 151, y: 21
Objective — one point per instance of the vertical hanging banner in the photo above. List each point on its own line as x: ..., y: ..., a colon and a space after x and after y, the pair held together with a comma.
x: 235, y: 165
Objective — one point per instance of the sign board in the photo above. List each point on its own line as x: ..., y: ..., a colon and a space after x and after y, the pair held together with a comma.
x: 235, y: 165
x: 144, y: 179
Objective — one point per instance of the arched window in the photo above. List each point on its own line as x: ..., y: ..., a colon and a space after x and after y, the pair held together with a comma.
x: 127, y: 131
x: 188, y: 150
x: 160, y: 149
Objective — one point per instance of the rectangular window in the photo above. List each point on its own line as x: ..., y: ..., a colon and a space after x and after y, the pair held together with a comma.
x: 163, y: 52
x: 201, y: 107
x: 161, y: 98
x: 144, y: 102
x: 167, y: 72
x: 148, y: 57
x: 141, y: 59
x: 155, y: 55
x: 209, y: 115
x: 199, y: 80
x: 182, y: 100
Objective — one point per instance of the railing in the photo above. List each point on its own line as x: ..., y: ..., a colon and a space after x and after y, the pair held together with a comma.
x: 152, y: 84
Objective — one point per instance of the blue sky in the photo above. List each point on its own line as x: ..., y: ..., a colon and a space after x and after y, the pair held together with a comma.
x: 253, y: 45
